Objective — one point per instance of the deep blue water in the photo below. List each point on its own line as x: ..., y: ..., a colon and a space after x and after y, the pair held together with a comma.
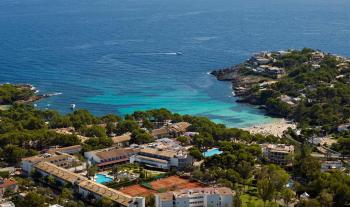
x: 117, y: 56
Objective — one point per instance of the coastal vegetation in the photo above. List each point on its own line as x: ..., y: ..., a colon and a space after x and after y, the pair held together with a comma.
x: 9, y: 93
x: 26, y: 131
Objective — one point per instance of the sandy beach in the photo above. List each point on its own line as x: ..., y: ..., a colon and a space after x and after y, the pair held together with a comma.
x: 276, y: 128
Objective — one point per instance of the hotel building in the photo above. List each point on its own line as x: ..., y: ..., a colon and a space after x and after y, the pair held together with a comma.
x: 108, y: 157
x: 163, y: 154
x: 196, y: 197
x: 87, y: 188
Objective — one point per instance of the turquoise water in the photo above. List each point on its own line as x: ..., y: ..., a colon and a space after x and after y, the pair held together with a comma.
x: 118, y: 56
x: 212, y: 152
x: 101, y: 178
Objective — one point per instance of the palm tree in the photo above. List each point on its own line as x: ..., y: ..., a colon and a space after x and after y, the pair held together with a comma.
x: 115, y: 171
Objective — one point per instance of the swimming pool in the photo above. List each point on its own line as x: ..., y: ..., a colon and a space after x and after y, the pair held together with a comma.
x: 212, y: 152
x: 101, y: 178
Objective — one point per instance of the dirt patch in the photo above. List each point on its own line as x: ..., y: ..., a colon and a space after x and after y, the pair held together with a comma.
x: 162, y: 185
x: 137, y: 190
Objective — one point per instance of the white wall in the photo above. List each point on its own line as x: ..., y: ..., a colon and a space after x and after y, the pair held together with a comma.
x: 197, y: 200
x: 92, y: 155
x: 140, y: 202
x: 135, y: 158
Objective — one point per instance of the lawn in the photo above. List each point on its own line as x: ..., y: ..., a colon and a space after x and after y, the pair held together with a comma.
x: 4, y: 107
x: 152, y: 173
x: 252, y: 201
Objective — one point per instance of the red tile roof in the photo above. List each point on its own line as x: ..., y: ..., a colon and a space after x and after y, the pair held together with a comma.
x: 7, y: 183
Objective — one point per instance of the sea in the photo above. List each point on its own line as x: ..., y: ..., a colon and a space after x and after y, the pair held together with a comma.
x: 119, y: 56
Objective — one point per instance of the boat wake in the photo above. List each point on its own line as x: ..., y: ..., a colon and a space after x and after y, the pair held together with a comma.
x: 53, y: 94
x: 157, y: 53
x: 56, y: 93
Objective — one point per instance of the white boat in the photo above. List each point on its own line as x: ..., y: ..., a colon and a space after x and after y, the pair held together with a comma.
x: 72, y: 106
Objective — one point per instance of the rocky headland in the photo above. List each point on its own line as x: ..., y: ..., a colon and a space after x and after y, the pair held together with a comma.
x: 19, y: 94
x: 308, y: 86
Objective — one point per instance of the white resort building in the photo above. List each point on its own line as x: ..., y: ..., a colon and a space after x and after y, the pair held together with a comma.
x: 108, y: 157
x: 163, y: 154
x: 196, y: 197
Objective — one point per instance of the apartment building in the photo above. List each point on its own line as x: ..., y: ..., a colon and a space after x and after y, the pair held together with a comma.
x: 280, y: 154
x: 60, y: 159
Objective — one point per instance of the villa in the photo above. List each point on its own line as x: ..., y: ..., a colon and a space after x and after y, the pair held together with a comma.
x: 205, y: 197
x: 171, y: 130
x: 162, y: 132
x: 317, y: 56
x: 122, y: 140
x: 7, y: 184
x: 275, y: 72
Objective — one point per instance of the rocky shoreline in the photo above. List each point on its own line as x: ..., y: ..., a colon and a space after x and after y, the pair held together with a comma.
x: 242, y: 81
x: 35, y: 97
